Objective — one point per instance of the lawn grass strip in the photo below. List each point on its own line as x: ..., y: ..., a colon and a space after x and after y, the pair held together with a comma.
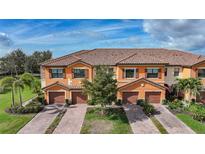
x: 158, y: 125
x: 55, y: 122
x: 195, y: 125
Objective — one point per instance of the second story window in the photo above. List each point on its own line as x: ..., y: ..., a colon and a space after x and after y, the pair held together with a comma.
x: 176, y: 71
x: 152, y: 72
x: 79, y: 73
x: 57, y: 73
x: 130, y: 73
x: 201, y: 73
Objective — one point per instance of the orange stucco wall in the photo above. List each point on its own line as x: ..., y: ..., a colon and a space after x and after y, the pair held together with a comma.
x: 194, y: 71
x: 141, y: 87
x: 119, y: 74
x: 68, y: 76
x: 56, y: 88
x: 142, y: 73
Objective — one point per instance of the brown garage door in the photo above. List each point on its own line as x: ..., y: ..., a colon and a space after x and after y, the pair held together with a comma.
x: 56, y: 97
x: 153, y: 97
x: 130, y: 97
x: 78, y: 98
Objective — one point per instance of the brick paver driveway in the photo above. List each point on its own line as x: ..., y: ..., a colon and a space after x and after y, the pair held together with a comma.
x: 42, y: 120
x: 72, y: 121
x: 170, y: 122
x: 140, y: 123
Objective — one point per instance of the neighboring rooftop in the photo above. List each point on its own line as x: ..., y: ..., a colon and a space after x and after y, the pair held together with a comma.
x: 114, y: 56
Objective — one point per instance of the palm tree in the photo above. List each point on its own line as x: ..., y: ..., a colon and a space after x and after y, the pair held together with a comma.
x: 36, y: 85
x: 28, y: 79
x: 192, y: 86
x: 195, y: 86
x: 7, y: 83
x: 19, y: 86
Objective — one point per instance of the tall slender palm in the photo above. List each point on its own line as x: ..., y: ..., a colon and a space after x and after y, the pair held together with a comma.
x: 28, y: 79
x: 7, y: 83
x: 18, y: 87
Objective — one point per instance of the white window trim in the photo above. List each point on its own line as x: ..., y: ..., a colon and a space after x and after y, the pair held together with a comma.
x: 129, y: 69
x: 179, y: 71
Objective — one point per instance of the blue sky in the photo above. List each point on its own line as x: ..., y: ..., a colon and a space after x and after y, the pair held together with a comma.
x: 65, y: 36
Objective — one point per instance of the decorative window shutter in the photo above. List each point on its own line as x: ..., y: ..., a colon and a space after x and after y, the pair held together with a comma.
x: 50, y: 73
x: 145, y: 73
x: 137, y: 73
x: 123, y: 73
x: 159, y: 73
x: 72, y: 73
x: 86, y: 73
x: 197, y: 72
x: 64, y: 73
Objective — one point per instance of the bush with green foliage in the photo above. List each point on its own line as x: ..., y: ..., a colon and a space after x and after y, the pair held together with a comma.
x: 148, y: 108
x: 176, y: 105
x: 165, y: 102
x: 68, y: 102
x: 118, y: 102
x: 197, y: 111
x: 33, y: 107
x: 140, y: 102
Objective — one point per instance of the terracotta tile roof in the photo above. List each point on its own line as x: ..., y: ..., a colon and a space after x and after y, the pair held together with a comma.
x: 114, y: 56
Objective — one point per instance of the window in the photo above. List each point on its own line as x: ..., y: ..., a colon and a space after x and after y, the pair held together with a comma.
x: 176, y: 71
x: 165, y: 72
x: 152, y: 72
x: 57, y: 73
x: 130, y: 73
x: 79, y: 73
x: 201, y: 73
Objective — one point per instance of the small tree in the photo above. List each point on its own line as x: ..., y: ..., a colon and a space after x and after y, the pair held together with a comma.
x: 192, y: 86
x: 102, y: 90
x: 7, y: 83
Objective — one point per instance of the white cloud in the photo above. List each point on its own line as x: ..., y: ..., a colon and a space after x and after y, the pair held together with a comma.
x: 5, y: 41
x: 181, y: 34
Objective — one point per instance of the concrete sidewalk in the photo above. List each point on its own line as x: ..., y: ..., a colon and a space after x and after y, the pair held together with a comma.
x: 42, y: 120
x: 140, y: 123
x: 72, y: 120
x: 170, y: 122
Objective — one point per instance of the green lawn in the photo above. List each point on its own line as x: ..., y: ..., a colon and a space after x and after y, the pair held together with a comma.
x: 10, y: 124
x: 195, y: 125
x: 113, y: 121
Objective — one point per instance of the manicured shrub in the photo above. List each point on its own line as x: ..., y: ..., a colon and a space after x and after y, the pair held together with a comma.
x: 197, y: 111
x: 176, y: 105
x: 148, y: 109
x: 118, y: 102
x: 165, y: 102
x: 140, y: 102
x: 68, y: 102
x: 33, y: 107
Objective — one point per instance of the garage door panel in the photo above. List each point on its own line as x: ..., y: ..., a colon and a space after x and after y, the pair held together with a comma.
x: 78, y: 98
x: 130, y: 97
x: 153, y: 97
x: 56, y: 97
